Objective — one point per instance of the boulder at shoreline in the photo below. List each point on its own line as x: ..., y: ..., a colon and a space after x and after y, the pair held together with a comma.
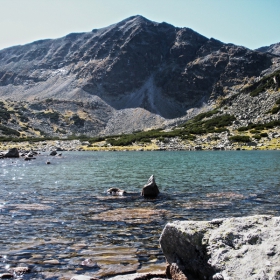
x: 229, y: 249
x: 12, y: 153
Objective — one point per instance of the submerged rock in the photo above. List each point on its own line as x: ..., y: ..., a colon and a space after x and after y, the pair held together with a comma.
x: 151, y: 188
x: 230, y: 249
x: 116, y: 191
x: 6, y: 276
x: 53, y: 153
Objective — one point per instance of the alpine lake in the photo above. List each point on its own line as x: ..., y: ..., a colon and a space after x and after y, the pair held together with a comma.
x: 59, y: 221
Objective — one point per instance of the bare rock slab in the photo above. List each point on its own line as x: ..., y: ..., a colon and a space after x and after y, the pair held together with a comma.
x: 229, y: 249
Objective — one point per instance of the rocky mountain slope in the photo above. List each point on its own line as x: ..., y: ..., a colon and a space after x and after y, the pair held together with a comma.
x: 133, y: 75
x: 274, y: 49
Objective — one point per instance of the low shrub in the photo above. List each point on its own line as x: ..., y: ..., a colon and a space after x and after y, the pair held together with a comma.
x: 275, y: 110
x: 257, y: 136
x: 264, y: 134
x: 4, y: 115
x: 8, y: 131
x: 240, y: 138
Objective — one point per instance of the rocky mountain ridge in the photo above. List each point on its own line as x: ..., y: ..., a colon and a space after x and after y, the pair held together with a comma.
x: 133, y: 75
x: 273, y: 49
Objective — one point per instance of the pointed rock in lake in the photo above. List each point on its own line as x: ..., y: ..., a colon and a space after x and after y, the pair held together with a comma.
x: 151, y: 188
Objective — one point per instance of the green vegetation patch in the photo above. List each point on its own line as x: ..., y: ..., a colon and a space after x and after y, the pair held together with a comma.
x: 264, y: 84
x: 4, y: 115
x: 8, y: 131
x: 78, y: 121
x: 216, y: 124
x: 275, y: 110
x: 260, y: 126
x: 240, y: 138
x: 187, y: 131
x: 53, y: 116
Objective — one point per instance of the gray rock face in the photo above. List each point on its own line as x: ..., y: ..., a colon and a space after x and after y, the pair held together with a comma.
x: 151, y: 188
x: 229, y: 249
x: 274, y: 49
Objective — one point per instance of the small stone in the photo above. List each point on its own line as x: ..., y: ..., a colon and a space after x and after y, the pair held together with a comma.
x: 51, y: 262
x: 90, y: 263
x: 20, y: 269
x: 83, y: 277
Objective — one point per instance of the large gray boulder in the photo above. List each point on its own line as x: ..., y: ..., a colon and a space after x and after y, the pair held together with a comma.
x: 150, y: 189
x: 230, y: 249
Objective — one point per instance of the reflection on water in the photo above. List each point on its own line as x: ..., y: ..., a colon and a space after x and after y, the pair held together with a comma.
x: 58, y: 220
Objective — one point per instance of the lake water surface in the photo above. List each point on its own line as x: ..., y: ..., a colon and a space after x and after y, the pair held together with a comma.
x: 58, y: 219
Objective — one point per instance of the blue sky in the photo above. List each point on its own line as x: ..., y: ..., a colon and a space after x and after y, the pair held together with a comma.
x: 251, y: 23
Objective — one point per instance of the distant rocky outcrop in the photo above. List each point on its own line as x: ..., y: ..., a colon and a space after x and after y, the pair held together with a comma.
x: 229, y: 249
x: 274, y: 49
x: 132, y: 75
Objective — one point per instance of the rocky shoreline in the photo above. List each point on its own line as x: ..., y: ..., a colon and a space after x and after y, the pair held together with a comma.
x: 272, y: 142
x: 221, y: 249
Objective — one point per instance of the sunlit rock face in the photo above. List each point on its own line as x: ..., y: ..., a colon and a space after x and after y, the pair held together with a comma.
x: 136, y: 71
x: 274, y: 49
x: 232, y: 248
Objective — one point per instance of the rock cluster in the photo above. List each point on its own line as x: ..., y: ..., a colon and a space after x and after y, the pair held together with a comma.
x: 229, y: 249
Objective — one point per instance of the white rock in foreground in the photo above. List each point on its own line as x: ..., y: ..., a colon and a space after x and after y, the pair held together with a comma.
x: 230, y: 249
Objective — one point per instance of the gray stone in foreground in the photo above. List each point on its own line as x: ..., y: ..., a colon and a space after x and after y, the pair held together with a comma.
x: 230, y: 249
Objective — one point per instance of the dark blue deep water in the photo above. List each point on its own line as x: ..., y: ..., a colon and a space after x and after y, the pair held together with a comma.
x: 54, y: 217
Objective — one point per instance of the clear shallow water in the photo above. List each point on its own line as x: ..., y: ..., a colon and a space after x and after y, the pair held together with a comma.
x: 53, y: 217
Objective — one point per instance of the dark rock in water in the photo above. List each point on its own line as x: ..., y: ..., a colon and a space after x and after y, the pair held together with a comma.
x: 12, y: 153
x: 6, y: 276
x: 151, y: 188
x: 53, y: 153
x: 116, y: 191
x: 29, y: 158
x: 48, y: 162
